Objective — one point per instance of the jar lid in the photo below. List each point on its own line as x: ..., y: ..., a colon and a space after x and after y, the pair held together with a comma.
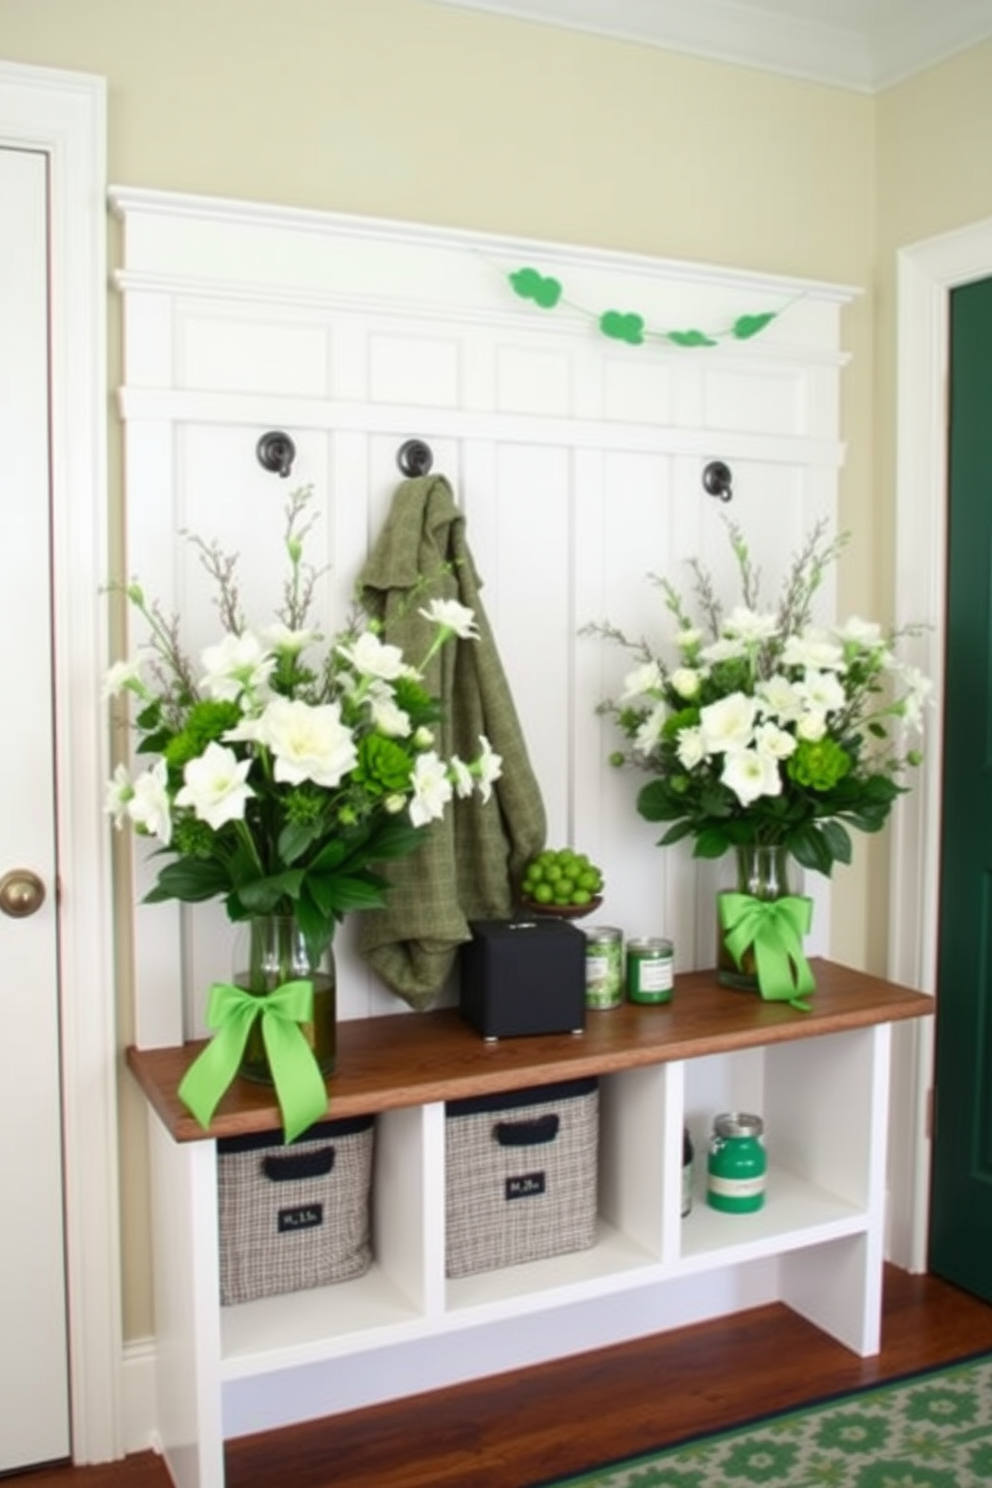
x: 738, y: 1124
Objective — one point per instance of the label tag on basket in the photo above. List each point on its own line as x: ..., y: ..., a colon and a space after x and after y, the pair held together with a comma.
x: 526, y: 1186
x: 303, y: 1217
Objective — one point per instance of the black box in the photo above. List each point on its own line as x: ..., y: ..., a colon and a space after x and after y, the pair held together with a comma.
x: 524, y: 976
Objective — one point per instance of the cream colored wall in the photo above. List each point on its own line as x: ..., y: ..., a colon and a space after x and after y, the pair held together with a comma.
x: 405, y: 109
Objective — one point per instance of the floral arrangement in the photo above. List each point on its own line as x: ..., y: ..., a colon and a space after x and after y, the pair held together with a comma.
x: 282, y: 775
x: 762, y: 729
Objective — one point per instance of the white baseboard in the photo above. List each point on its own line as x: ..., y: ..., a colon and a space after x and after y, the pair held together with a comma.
x: 138, y: 1391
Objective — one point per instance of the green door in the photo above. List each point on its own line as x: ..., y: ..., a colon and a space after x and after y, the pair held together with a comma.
x: 961, y: 1209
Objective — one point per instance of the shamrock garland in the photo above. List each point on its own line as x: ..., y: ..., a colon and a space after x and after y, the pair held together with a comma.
x: 546, y: 292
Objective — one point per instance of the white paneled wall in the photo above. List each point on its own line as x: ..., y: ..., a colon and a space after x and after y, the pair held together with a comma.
x: 576, y: 459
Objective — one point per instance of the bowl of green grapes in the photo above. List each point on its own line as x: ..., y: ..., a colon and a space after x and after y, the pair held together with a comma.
x: 562, y: 883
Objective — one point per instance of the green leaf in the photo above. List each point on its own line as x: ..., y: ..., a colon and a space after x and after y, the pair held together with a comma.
x: 838, y: 840
x: 712, y: 842
x: 191, y: 880
x: 295, y: 838
x: 746, y: 326
x: 263, y: 895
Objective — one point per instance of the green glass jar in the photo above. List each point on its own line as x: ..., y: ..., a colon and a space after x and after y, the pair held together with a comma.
x: 736, y: 1164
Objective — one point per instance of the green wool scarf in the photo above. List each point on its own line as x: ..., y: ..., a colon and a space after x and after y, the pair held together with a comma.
x: 471, y: 860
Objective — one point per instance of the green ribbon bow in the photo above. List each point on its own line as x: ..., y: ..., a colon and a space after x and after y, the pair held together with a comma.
x: 296, y: 1075
x: 775, y: 928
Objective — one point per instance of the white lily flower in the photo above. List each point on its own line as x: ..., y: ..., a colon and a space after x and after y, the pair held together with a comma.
x: 279, y: 637
x: 452, y: 616
x: 821, y: 692
x: 778, y: 742
x: 748, y: 626
x: 490, y: 768
x: 866, y: 634
x: 374, y: 658
x: 728, y: 723
x: 649, y: 733
x: 920, y: 693
x: 689, y: 748
x: 149, y: 806
x: 811, y: 727
x: 727, y: 648
x: 388, y: 717
x: 215, y: 786
x: 308, y: 743
x: 643, y: 681
x: 432, y: 790
x: 118, y: 795
x: 751, y: 773
x: 237, y: 664
x: 813, y: 650
x: 779, y: 699
x: 124, y: 676
x: 461, y: 778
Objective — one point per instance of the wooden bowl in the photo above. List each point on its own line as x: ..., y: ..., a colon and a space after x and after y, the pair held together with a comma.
x: 562, y: 911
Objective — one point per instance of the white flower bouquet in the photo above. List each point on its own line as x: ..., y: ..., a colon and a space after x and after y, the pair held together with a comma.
x: 762, y: 729
x: 284, y: 767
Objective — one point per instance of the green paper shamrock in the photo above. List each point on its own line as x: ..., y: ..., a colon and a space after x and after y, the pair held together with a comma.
x: 541, y: 288
x: 747, y: 326
x: 691, y: 338
x: 623, y: 327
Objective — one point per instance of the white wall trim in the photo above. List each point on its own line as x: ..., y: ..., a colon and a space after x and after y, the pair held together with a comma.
x: 927, y: 272
x: 64, y: 114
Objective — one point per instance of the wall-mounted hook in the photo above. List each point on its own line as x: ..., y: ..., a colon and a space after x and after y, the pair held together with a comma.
x: 414, y: 457
x: 276, y: 452
x: 718, y: 480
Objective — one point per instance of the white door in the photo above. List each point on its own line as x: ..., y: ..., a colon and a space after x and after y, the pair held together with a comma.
x: 34, y: 1407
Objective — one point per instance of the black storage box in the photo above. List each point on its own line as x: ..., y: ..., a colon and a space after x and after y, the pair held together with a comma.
x: 294, y: 1216
x: 524, y: 976
x: 520, y: 1176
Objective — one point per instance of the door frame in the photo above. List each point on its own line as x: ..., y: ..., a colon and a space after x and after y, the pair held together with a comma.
x: 927, y: 272
x: 63, y: 114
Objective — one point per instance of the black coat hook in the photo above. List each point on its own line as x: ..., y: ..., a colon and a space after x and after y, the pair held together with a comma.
x: 414, y: 457
x: 718, y: 480
x: 276, y: 452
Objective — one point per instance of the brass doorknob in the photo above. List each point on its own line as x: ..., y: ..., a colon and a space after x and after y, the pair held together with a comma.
x: 22, y: 893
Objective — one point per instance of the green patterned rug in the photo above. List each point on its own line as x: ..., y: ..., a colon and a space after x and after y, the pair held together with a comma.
x: 931, y: 1431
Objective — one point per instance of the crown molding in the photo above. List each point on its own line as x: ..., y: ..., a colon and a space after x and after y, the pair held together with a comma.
x: 823, y: 41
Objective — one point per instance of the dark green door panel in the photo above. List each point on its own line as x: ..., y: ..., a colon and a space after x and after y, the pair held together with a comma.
x: 961, y: 1207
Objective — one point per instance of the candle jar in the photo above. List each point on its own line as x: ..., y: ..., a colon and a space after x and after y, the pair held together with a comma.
x: 736, y: 1164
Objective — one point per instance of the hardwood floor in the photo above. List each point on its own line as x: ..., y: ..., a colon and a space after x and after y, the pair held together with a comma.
x: 516, y: 1431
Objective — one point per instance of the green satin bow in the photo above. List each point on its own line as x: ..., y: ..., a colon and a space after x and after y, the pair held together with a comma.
x: 231, y: 1011
x: 775, y: 928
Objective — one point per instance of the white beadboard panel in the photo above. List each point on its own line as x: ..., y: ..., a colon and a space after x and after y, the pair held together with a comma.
x: 577, y: 462
x: 411, y: 368
x: 771, y: 400
x: 641, y: 390
x: 532, y: 379
x: 252, y: 354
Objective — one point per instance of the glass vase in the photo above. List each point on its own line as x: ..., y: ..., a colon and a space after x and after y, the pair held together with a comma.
x: 763, y: 872
x: 270, y: 950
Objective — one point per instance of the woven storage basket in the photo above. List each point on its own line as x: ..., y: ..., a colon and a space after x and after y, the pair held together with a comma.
x: 521, y: 1176
x: 295, y: 1216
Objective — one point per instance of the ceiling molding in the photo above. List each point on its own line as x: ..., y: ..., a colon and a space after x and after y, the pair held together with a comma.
x: 861, y: 45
